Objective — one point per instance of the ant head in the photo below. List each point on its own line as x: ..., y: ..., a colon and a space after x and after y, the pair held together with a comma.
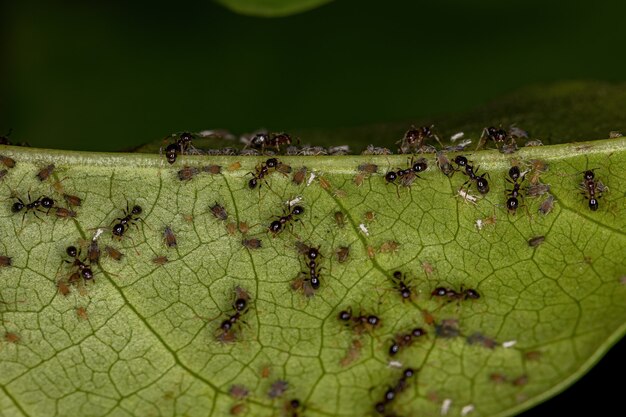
x: 514, y: 173
x: 71, y: 251
x: 298, y: 210
x: 186, y: 137
x: 589, y: 175
x: 276, y: 226
x: 460, y: 160
x: 271, y: 163
x: 136, y: 210
x: 391, y: 176
x: 118, y: 229
x: 345, y: 315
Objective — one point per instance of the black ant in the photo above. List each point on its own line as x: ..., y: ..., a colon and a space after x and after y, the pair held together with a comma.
x: 414, y: 139
x: 274, y: 140
x: 263, y: 169
x: 408, y: 175
x: 464, y: 294
x: 512, y: 203
x: 240, y: 305
x: 34, y: 206
x: 84, y: 269
x: 180, y: 146
x: 500, y: 136
x: 361, y: 322
x: 130, y: 217
x: 391, y: 392
x: 312, y: 254
x: 277, y: 225
x: 592, y: 189
x: 481, y: 182
x: 399, y: 280
x: 404, y: 340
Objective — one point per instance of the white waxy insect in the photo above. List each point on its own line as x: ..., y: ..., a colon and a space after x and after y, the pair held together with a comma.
x: 364, y: 229
x: 467, y: 409
x: 467, y: 196
x: 456, y: 136
x: 509, y: 343
x: 295, y: 201
x: 311, y: 178
x: 445, y: 406
x: 97, y: 235
x: 394, y: 364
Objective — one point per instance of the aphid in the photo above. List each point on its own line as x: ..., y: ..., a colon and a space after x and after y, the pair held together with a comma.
x: 414, y: 139
x: 405, y: 340
x: 3, y: 173
x: 113, y: 253
x: 533, y: 355
x: 342, y: 254
x: 11, y: 337
x: 340, y: 219
x: 238, y: 391
x: 63, y: 213
x: 278, y: 388
x: 93, y: 252
x: 263, y: 169
x: 389, y: 246
x: 547, y: 205
x: 237, y: 409
x: 81, y: 312
x: 63, y: 287
x: 513, y: 203
x: 592, y: 189
x: 218, y: 211
x: 365, y: 170
x: 299, y: 176
x: 212, y: 169
x: 234, y: 166
x: 34, y: 206
x: 324, y: 183
x: 538, y: 189
x: 45, y: 172
x: 353, y: 352
x: 160, y: 260
x: 537, y: 167
x: 130, y: 217
x: 444, y: 164
x: 447, y: 329
x: 5, y: 261
x: 520, y: 381
x: 169, y: 237
x: 481, y: 182
x: 399, y: 281
x: 252, y: 243
x: 243, y: 227
x: 497, y: 378
x: 265, y: 371
x: 277, y: 225
x: 187, y: 173
x: 73, y: 200
x: 450, y: 294
x: 85, y: 270
x: 303, y: 283
x: 478, y: 338
x: 370, y: 216
x: 536, y: 241
x: 8, y: 162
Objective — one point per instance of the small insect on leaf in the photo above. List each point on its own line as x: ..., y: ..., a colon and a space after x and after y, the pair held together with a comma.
x: 113, y: 253
x: 5, y: 261
x: 187, y: 173
x: 212, y: 169
x: 93, y: 252
x: 234, y: 166
x: 278, y: 388
x: 160, y: 260
x: 536, y: 241
x: 299, y: 176
x: 169, y: 237
x: 12, y: 337
x: 45, y: 172
x: 3, y: 173
x: 63, y: 287
x: 252, y: 243
x: 238, y: 391
x: 219, y: 212
x: 8, y: 162
x: 81, y: 312
x: 340, y: 219
x: 64, y: 213
x: 73, y: 200
x: 342, y: 253
x: 390, y: 246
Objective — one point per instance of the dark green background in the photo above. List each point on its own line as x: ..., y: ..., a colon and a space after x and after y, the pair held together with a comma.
x: 106, y: 76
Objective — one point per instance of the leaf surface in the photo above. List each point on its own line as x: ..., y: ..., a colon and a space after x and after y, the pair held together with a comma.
x: 142, y: 338
x: 271, y: 8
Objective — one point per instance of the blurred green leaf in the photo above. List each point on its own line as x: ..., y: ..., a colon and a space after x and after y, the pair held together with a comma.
x: 271, y: 8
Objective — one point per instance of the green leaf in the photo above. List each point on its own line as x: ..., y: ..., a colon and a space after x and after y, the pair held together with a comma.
x: 142, y: 338
x: 271, y: 8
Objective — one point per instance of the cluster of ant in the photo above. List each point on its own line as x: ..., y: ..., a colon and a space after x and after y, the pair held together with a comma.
x: 392, y: 392
x: 592, y: 189
x: 407, y: 176
x: 451, y: 294
x: 41, y: 205
x: 240, y: 307
x: 359, y: 323
x: 264, y: 169
x: 182, y: 145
